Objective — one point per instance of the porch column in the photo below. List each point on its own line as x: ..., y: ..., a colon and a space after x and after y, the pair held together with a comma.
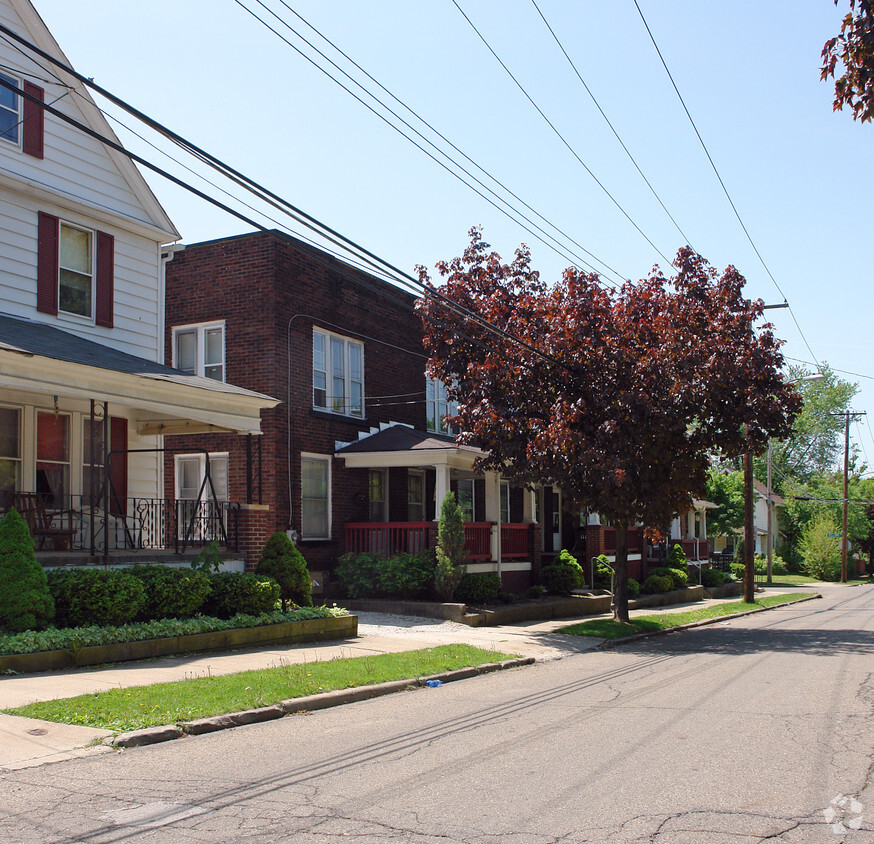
x: 441, y: 487
x: 529, y: 506
x: 493, y: 513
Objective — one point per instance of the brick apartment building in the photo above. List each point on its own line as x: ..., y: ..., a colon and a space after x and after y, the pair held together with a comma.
x: 357, y: 456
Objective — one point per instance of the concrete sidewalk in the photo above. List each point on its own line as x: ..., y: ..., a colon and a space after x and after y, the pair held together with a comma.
x: 25, y: 742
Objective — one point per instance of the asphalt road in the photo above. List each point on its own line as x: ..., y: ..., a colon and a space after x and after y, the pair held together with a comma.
x: 757, y: 729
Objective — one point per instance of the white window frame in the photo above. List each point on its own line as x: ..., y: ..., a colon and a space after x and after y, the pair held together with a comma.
x: 16, y: 112
x: 416, y: 473
x: 339, y: 405
x: 92, y: 237
x: 504, y: 508
x: 200, y: 329
x: 324, y: 459
x: 201, y: 458
x: 438, y: 406
x: 472, y: 512
x: 383, y: 473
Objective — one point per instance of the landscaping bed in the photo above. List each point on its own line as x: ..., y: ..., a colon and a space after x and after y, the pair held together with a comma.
x: 288, y: 632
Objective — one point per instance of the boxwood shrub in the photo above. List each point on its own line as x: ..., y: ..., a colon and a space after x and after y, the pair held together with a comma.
x: 478, y: 588
x: 90, y: 596
x: 233, y: 592
x: 657, y: 584
x: 679, y: 578
x: 170, y: 592
x: 371, y: 575
x: 712, y: 577
x: 633, y: 588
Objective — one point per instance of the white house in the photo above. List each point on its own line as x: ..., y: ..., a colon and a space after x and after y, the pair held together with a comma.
x: 84, y: 393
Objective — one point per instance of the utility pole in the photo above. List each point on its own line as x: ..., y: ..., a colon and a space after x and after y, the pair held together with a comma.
x: 848, y: 415
x: 749, y: 528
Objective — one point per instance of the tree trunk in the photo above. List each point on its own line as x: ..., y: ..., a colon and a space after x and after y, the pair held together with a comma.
x: 620, y: 584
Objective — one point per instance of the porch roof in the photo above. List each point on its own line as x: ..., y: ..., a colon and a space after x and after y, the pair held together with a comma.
x: 400, y: 445
x: 41, y: 358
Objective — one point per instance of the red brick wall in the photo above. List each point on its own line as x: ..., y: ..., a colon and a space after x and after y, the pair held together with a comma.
x: 260, y: 285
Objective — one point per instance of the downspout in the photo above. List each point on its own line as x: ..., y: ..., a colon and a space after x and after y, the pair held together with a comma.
x: 168, y: 253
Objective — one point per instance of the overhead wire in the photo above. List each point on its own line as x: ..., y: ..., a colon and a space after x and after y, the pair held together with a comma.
x: 609, y: 123
x: 560, y: 136
x: 555, y: 246
x: 426, y: 123
x: 719, y: 178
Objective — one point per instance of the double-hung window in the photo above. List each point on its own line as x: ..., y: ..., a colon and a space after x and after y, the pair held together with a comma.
x: 200, y: 350
x: 53, y: 457
x: 438, y: 407
x: 9, y: 110
x: 315, y: 506
x: 22, y: 119
x: 75, y: 271
x: 338, y: 374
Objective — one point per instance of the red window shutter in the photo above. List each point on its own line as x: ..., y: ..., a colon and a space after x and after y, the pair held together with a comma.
x: 105, y: 278
x: 118, y: 464
x: 33, y: 121
x: 47, y: 265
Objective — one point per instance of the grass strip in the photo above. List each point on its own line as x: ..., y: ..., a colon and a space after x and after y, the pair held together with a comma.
x: 607, y: 628
x: 200, y: 697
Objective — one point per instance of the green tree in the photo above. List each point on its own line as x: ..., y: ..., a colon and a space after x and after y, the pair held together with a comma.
x: 726, y: 490
x: 25, y: 600
x: 450, y: 548
x: 282, y: 561
x: 820, y: 548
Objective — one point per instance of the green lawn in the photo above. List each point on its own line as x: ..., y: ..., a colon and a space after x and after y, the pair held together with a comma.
x: 607, y: 628
x: 184, y: 700
x: 804, y: 580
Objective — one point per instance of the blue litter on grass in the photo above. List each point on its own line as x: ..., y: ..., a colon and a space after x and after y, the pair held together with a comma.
x: 433, y: 684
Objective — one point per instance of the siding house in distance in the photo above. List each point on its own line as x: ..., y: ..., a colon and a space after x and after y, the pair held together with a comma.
x: 85, y: 396
x: 358, y: 456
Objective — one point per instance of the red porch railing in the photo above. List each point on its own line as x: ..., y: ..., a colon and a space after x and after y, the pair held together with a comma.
x: 387, y: 538
x: 635, y: 540
x: 515, y: 542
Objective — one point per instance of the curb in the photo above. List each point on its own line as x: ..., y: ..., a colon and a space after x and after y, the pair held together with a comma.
x: 612, y: 643
x: 310, y: 703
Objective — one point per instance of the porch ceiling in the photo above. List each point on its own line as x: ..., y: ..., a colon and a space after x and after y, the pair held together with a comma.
x: 42, y: 359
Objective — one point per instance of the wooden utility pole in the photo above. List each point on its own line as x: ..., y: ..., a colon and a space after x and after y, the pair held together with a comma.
x: 848, y: 415
x: 749, y: 529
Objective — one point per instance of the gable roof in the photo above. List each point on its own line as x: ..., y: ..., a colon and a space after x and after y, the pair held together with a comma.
x: 762, y: 492
x: 38, y: 33
x: 398, y: 437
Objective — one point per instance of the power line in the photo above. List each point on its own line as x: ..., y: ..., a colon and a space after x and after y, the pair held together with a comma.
x: 422, y: 120
x: 607, y: 120
x: 555, y: 246
x: 719, y: 178
x: 559, y: 135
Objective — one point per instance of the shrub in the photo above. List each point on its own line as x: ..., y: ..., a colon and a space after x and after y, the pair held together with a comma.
x: 680, y: 579
x: 738, y: 570
x: 478, y: 589
x: 450, y: 548
x: 405, y: 575
x: 235, y: 592
x: 25, y: 600
x: 170, y: 592
x: 85, y: 597
x: 565, y: 558
x: 657, y: 584
x: 820, y: 553
x: 560, y: 579
x: 281, y: 560
x: 603, y: 573
x: 712, y: 577
x: 507, y: 597
x: 676, y: 558
x: 633, y: 588
x: 358, y: 575
x: 535, y: 591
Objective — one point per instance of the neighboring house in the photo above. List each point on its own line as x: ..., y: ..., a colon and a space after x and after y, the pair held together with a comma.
x: 760, y: 521
x: 84, y: 394
x: 359, y: 457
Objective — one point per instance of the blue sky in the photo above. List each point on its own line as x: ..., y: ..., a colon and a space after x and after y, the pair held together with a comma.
x: 800, y: 175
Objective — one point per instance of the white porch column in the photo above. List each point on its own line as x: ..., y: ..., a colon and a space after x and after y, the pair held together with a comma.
x: 493, y: 513
x: 441, y: 487
x: 529, y: 505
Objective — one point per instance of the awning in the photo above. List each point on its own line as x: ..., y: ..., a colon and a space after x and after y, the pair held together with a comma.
x: 40, y: 358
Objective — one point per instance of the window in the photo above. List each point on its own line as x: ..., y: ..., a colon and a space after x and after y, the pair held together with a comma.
x: 465, y: 498
x: 9, y: 118
x: 92, y: 463
x: 200, y: 350
x: 10, y: 451
x: 505, y: 503
x: 75, y: 271
x: 199, y: 513
x: 338, y: 374
x: 21, y: 119
x: 315, y: 483
x: 416, y: 496
x: 52, y: 457
x: 376, y: 496
x: 438, y: 407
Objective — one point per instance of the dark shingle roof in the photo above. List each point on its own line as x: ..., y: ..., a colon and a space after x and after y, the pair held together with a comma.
x: 402, y: 438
